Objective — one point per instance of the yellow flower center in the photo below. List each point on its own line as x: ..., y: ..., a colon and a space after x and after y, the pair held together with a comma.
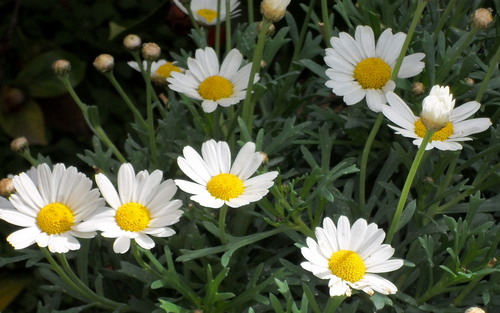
x: 132, y: 217
x: 207, y: 14
x: 215, y: 88
x: 55, y: 218
x: 225, y: 186
x: 166, y: 69
x: 441, y: 135
x: 347, y: 265
x: 372, y: 73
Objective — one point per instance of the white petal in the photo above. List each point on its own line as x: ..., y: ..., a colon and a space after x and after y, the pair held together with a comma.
x: 23, y: 238
x: 144, y: 241
x: 121, y: 244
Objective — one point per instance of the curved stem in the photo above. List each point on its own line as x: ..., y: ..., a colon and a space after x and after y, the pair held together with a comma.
x: 406, y: 188
x: 416, y: 18
x: 248, y: 106
x: 364, y: 160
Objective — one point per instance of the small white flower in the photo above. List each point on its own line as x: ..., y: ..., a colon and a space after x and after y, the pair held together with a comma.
x: 217, y: 182
x: 350, y: 257
x: 51, y: 206
x: 204, y: 80
x: 359, y: 68
x: 142, y: 207
x: 455, y: 130
x: 205, y: 11
x: 160, y: 69
x: 437, y: 107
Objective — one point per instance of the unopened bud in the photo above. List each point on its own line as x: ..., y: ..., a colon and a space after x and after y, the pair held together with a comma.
x: 61, y: 67
x: 492, y: 262
x: 274, y: 10
x: 150, y: 51
x: 475, y: 309
x: 104, y: 63
x: 417, y: 88
x: 132, y: 42
x: 265, y: 159
x: 482, y: 18
x: 263, y: 64
x: 19, y: 145
x: 469, y: 81
x: 270, y: 30
x: 6, y: 187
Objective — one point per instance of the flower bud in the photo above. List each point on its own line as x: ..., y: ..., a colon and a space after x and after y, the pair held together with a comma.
x: 437, y: 107
x: 474, y: 309
x: 61, y: 67
x: 469, y: 81
x: 6, y: 187
x: 274, y: 10
x: 132, y: 42
x: 417, y: 88
x: 482, y: 18
x: 19, y: 145
x: 270, y: 30
x: 104, y: 63
x: 265, y: 159
x: 150, y: 51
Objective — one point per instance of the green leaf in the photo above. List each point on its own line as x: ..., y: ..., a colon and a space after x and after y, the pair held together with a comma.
x: 39, y: 79
x: 27, y: 122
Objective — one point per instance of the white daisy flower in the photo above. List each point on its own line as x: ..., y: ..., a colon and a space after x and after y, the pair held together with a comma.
x: 456, y: 129
x: 350, y: 257
x: 142, y: 207
x: 359, y: 68
x: 217, y: 182
x: 204, y: 80
x: 205, y: 11
x: 51, y: 206
x: 160, y: 70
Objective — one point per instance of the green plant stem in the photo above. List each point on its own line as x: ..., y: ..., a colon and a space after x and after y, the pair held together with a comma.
x: 217, y: 29
x: 250, y: 11
x: 334, y: 303
x: 191, y: 16
x: 137, y: 115
x: 443, y: 71
x: 491, y: 69
x: 327, y: 31
x: 96, y: 129
x: 248, y: 106
x: 406, y: 188
x: 27, y: 155
x: 140, y: 261
x: 444, y: 17
x: 416, y: 19
x: 222, y: 224
x: 465, y: 291
x: 73, y: 281
x: 364, y: 160
x: 150, y: 118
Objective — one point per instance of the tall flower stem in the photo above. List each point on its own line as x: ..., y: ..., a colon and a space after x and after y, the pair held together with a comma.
x: 228, y: 26
x: 406, y: 188
x: 416, y: 18
x: 73, y: 281
x: 444, y: 17
x: 364, y: 160
x: 491, y: 69
x: 93, y: 124
x: 248, y: 106
x: 327, y: 32
x: 217, y: 29
x: 137, y: 115
x: 222, y: 224
x: 150, y: 117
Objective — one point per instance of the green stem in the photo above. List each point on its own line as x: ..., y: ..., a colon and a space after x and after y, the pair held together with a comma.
x: 491, y: 69
x: 191, y: 16
x: 138, y: 117
x: 443, y: 71
x: 73, y: 281
x: 222, y: 224
x: 248, y: 106
x: 27, y: 155
x: 140, y: 261
x: 96, y: 129
x: 334, y: 303
x: 228, y: 26
x: 217, y: 30
x: 327, y: 32
x: 406, y: 188
x: 444, y: 17
x: 150, y: 118
x: 416, y: 19
x: 250, y: 11
x: 364, y: 161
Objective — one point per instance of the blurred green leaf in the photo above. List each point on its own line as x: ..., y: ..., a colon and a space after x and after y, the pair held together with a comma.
x: 27, y: 121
